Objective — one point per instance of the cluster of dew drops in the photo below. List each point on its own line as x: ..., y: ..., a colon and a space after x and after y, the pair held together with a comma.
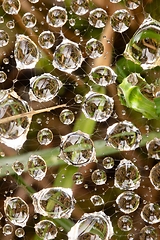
x: 76, y: 148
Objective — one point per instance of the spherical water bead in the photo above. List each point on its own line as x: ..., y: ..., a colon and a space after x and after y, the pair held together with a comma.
x: 148, y: 233
x: 97, y: 106
x: 153, y: 148
x: 151, y: 213
x: 45, y: 136
x: 46, y: 230
x: 11, y: 6
x: 29, y: 20
x: 67, y: 56
x: 57, y: 16
x: 16, y: 210
x: 18, y: 167
x: 78, y: 98
x: 77, y: 149
x: 46, y: 39
x: 7, y: 229
x: 44, y: 88
x: 10, y: 24
x: 125, y: 223
x: 80, y: 7
x: 155, y: 176
x: 143, y: 48
x: 120, y: 20
x: 128, y: 202
x: 1, y: 19
x: 94, y: 48
x: 123, y: 136
x: 13, y: 134
x: 26, y: 52
x: 132, y: 4
x: 127, y: 176
x: 98, y: 18
x: 3, y: 76
x: 4, y: 38
x: 19, y: 232
x: 54, y: 202
x: 66, y: 116
x: 97, y: 200
x: 99, y: 177
x: 77, y: 178
x: 37, y: 167
x: 108, y: 162
x: 102, y: 75
x: 96, y: 225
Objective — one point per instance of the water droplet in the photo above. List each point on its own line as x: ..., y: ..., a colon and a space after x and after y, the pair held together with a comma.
x: 153, y: 148
x: 45, y: 136
x: 1, y: 19
x: 102, y: 75
x: 33, y: 1
x: 37, y: 167
x: 11, y: 6
x: 46, y: 39
x: 26, y: 52
x: 115, y: 1
x: 97, y: 106
x: 78, y: 98
x: 3, y: 76
x: 148, y: 233
x: 120, y: 20
x: 125, y: 223
x: 4, y: 38
x: 127, y: 176
x: 14, y: 132
x: 46, y: 230
x: 80, y: 7
x: 78, y: 178
x: 7, y: 229
x: 97, y: 200
x: 123, y: 136
x: 98, y: 18
x: 143, y: 48
x: 132, y: 4
x: 108, y: 162
x: 10, y: 24
x: 56, y: 16
x: 94, y: 48
x: 77, y: 149
x: 29, y: 20
x: 128, y: 202
x: 151, y: 213
x: 54, y: 202
x: 96, y: 225
x: 16, y: 210
x: 67, y: 56
x: 44, y: 88
x: 19, y: 232
x: 66, y: 116
x: 18, y: 167
x: 99, y: 177
x: 155, y: 176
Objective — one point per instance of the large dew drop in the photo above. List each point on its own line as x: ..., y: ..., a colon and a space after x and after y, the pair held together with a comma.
x: 155, y: 176
x: 80, y: 7
x: 37, y: 167
x: 16, y: 210
x: 97, y: 106
x: 98, y: 18
x: 148, y: 233
x: 102, y: 75
x: 77, y: 149
x: 44, y: 88
x: 94, y: 48
x: 46, y: 230
x: 26, y: 52
x: 127, y: 176
x: 151, y: 213
x: 153, y: 148
x: 123, y: 136
x: 57, y: 16
x: 67, y: 56
x: 95, y: 225
x: 11, y: 6
x: 13, y: 132
x: 132, y: 4
x: 120, y: 20
x: 144, y: 46
x: 128, y: 202
x: 54, y: 202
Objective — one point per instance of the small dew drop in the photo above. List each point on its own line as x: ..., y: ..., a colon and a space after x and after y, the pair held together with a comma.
x: 19, y: 232
x: 18, y: 167
x: 56, y: 16
x: 66, y: 116
x: 99, y: 177
x: 46, y: 230
x: 7, y: 229
x: 45, y: 136
x: 125, y: 223
x: 78, y: 178
x: 37, y: 167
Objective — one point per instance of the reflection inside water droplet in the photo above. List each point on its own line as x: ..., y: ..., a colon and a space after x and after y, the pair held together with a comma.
x: 18, y: 167
x: 151, y: 213
x: 56, y: 16
x: 45, y: 136
x: 128, y: 202
x: 29, y: 20
x: 120, y: 20
x: 80, y: 7
x: 132, y: 4
x: 155, y: 176
x: 7, y: 229
x: 3, y: 76
x: 98, y: 18
x: 46, y: 230
x: 148, y: 233
x: 94, y: 48
x: 19, y: 232
x: 153, y: 148
x: 97, y: 200
x: 11, y: 6
x: 99, y: 177
x: 37, y: 167
x: 125, y: 223
x: 108, y: 162
x: 4, y: 38
x: 77, y: 178
x: 66, y: 116
x: 46, y: 39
